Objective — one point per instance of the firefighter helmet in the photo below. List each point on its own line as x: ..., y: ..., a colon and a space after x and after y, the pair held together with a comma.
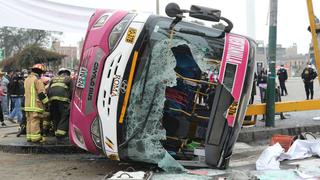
x: 64, y: 70
x: 40, y: 67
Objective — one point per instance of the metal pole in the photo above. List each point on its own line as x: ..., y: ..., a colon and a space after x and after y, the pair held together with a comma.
x: 272, y: 63
x: 157, y: 7
x: 312, y: 20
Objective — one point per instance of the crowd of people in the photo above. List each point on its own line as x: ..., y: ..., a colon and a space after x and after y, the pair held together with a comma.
x: 308, y: 75
x: 38, y: 101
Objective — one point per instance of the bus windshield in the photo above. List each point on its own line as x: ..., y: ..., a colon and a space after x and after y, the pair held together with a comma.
x: 174, y: 65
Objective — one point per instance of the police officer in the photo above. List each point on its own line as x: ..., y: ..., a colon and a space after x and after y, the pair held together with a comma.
x: 282, y: 76
x: 35, y: 101
x: 59, y: 92
x: 308, y: 75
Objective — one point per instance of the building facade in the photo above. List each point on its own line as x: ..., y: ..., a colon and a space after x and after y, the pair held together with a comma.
x: 289, y: 57
x: 71, y: 53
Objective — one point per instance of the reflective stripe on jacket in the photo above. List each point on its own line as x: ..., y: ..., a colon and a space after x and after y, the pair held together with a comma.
x: 60, y: 89
x: 33, y: 87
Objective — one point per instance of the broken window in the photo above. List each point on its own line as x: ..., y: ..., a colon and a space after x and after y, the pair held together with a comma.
x: 174, y: 71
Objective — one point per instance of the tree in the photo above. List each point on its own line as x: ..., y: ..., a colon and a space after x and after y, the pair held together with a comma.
x: 31, y: 55
x: 13, y: 40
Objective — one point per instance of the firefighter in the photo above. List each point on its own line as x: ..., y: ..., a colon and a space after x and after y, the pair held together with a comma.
x: 35, y: 102
x: 59, y: 93
x: 46, y: 122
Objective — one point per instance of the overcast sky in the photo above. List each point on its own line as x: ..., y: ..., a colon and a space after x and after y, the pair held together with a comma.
x: 292, y: 16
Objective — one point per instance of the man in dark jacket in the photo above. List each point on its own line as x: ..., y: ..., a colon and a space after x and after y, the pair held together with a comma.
x: 308, y: 75
x: 282, y: 76
x: 16, y: 93
x: 59, y: 93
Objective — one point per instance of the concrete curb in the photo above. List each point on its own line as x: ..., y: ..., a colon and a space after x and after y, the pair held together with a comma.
x: 40, y: 149
x: 12, y: 144
x: 254, y: 134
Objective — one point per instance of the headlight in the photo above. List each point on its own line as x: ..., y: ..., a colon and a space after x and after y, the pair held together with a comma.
x: 95, y: 132
x: 118, y: 31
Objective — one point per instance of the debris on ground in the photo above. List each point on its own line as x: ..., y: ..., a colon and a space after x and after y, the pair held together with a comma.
x: 300, y: 149
x: 136, y: 175
x: 269, y: 158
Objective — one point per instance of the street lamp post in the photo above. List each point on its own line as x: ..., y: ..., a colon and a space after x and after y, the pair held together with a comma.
x: 272, y: 51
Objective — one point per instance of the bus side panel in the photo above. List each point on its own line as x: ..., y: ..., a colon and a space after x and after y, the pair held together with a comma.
x: 218, y: 127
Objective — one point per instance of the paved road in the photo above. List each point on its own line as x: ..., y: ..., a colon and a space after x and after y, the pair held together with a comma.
x: 87, y: 166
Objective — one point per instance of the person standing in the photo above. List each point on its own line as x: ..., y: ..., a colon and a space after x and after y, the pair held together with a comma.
x: 23, y: 124
x: 4, y: 99
x: 2, y: 124
x: 262, y: 83
x: 59, y: 93
x: 308, y: 75
x: 35, y: 101
x: 282, y: 77
x: 16, y: 92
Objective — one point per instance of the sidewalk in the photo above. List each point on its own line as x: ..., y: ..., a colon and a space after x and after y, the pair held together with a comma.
x: 294, y: 124
x: 10, y: 143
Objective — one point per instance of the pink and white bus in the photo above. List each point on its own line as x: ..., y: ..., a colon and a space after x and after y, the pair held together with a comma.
x: 143, y: 91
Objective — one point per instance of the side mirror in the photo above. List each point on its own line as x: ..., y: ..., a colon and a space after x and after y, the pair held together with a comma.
x: 173, y: 10
x: 205, y: 13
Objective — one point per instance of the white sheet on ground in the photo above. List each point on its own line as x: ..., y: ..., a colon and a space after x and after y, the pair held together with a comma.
x: 269, y: 158
x: 300, y: 149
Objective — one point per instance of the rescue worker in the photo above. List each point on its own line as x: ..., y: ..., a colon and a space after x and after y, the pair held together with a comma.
x: 59, y: 93
x: 282, y: 77
x: 45, y: 119
x: 308, y: 75
x: 35, y: 101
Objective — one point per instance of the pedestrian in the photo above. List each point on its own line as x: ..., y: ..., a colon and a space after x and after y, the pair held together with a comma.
x: 2, y: 124
x: 254, y: 89
x: 282, y: 77
x: 23, y: 124
x: 262, y: 84
x: 4, y: 99
x: 59, y: 93
x: 35, y: 102
x: 308, y: 75
x: 16, y: 93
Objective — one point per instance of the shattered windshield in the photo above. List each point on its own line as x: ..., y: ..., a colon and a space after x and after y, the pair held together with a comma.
x: 171, y: 62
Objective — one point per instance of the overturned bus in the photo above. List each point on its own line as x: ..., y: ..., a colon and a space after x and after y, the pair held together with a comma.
x: 161, y: 90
